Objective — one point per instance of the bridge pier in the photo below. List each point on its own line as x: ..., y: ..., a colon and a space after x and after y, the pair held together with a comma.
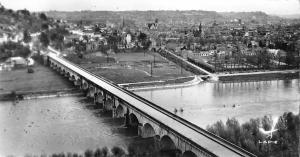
x: 77, y: 82
x: 108, y: 103
x: 84, y: 86
x: 126, y: 115
x: 91, y: 91
x: 99, y: 99
x: 114, y: 108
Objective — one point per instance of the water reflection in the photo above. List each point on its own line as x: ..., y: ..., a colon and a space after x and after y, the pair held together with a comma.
x: 287, y: 83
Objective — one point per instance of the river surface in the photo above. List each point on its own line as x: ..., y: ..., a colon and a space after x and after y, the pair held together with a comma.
x: 70, y: 124
x: 54, y: 125
x: 208, y: 102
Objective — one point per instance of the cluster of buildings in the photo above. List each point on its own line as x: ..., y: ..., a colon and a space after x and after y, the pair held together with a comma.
x: 97, y: 37
x: 223, y: 41
x: 233, y: 39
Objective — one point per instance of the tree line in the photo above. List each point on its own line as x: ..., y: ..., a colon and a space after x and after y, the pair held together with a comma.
x: 248, y: 136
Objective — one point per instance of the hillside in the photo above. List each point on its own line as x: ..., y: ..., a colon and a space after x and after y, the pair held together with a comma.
x: 15, y: 21
x: 259, y: 17
x: 139, y: 17
x: 142, y: 17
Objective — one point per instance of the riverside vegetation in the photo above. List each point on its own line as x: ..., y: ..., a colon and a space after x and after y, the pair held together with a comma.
x: 284, y: 142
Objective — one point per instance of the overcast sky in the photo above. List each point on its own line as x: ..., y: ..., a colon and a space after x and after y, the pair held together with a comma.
x: 268, y: 6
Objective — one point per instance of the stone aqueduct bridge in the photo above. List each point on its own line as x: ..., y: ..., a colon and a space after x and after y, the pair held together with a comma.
x: 148, y: 119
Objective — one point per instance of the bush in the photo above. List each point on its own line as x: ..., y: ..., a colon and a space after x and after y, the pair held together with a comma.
x: 88, y: 153
x: 30, y: 70
x: 117, y: 151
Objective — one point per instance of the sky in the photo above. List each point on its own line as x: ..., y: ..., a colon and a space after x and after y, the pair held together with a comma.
x: 277, y: 7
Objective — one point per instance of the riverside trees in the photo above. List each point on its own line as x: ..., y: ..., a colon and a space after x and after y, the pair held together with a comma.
x: 249, y: 137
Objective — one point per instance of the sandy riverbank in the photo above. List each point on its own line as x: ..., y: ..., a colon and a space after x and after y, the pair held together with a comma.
x: 159, y: 85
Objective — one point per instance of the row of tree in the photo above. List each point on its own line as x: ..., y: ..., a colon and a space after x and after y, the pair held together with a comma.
x: 12, y: 49
x: 249, y: 137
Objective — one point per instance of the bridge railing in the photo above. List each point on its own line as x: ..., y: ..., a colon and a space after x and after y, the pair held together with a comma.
x: 188, y: 124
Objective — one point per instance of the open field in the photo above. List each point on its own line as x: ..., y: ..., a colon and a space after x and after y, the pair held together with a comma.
x: 131, y: 67
x: 43, y: 79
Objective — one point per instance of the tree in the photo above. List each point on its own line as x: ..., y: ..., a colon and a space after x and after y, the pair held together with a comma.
x: 290, y: 59
x: 57, y: 40
x: 117, y: 151
x: 26, y: 36
x: 143, y: 38
x: 249, y: 137
x: 12, y: 49
x: 43, y: 17
x: 234, y: 130
x: 22, y: 51
x: 44, y: 39
x: 25, y: 12
x: 2, y: 9
x: 45, y: 26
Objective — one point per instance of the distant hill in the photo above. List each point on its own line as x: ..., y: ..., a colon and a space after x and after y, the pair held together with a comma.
x: 139, y: 17
x: 258, y: 16
x: 175, y: 17
x: 291, y: 16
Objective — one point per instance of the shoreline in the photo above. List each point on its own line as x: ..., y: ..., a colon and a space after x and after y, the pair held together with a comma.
x: 265, y: 75
x: 159, y: 84
x: 258, y: 72
x: 28, y: 95
x: 260, y: 75
x: 196, y: 80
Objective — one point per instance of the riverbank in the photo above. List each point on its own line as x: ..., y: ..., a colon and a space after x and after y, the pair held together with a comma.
x: 173, y: 83
x: 44, y: 82
x: 27, y: 95
x: 260, y: 75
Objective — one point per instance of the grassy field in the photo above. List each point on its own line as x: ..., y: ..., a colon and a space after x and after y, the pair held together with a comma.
x: 43, y: 79
x: 131, y: 67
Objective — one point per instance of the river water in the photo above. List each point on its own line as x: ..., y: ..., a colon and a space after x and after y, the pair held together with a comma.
x: 208, y: 102
x: 54, y: 125
x: 71, y: 124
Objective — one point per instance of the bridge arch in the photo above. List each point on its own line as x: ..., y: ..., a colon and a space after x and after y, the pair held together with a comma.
x: 77, y: 81
x: 134, y: 124
x: 166, y: 143
x: 73, y: 78
x: 133, y: 120
x: 85, y: 85
x: 189, y: 154
x: 148, y: 131
x: 120, y: 111
x: 91, y: 91
x: 68, y: 75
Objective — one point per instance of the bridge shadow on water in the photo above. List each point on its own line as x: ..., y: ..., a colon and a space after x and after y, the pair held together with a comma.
x: 150, y: 147
x: 138, y: 146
